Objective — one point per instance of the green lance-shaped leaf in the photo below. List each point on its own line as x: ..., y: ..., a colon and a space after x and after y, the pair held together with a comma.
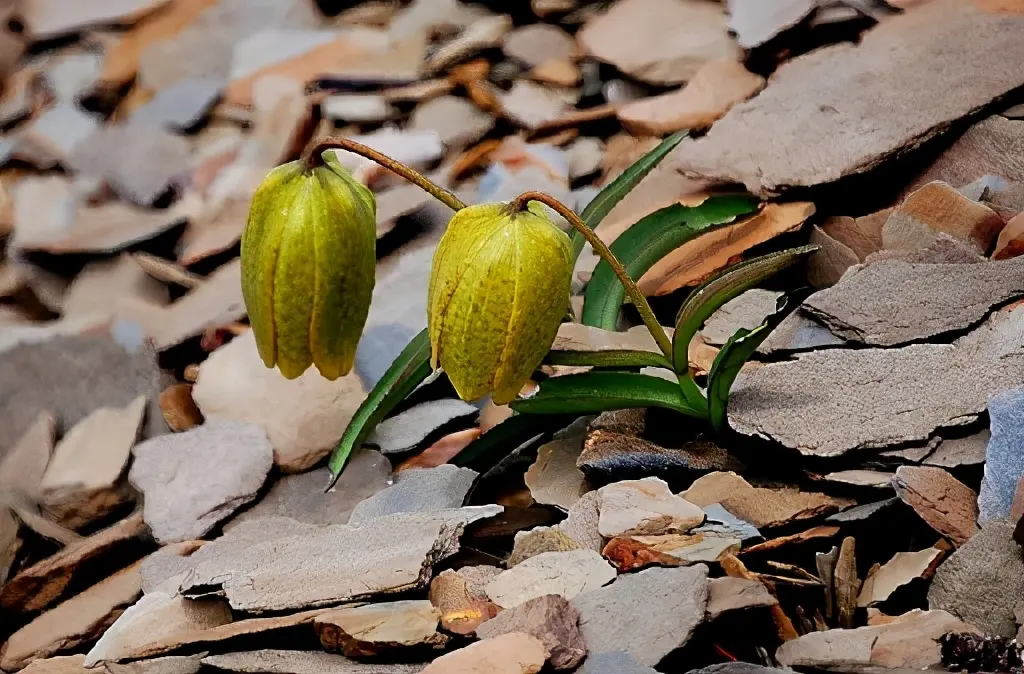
x: 490, y: 448
x: 715, y: 292
x: 407, y: 372
x: 740, y: 347
x: 623, y: 358
x: 650, y: 239
x: 593, y: 392
x: 602, y: 204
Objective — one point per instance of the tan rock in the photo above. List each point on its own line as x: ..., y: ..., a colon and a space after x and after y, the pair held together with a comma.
x: 217, y: 301
x: 64, y: 664
x: 937, y: 207
x: 992, y: 146
x: 898, y: 571
x: 564, y: 573
x: 645, y: 507
x: 461, y: 599
x: 761, y: 507
x: 729, y: 593
x: 304, y: 417
x: 298, y: 662
x: 862, y: 235
x: 557, y: 72
x: 39, y: 585
x: 375, y: 629
x: 827, y: 266
x: 659, y: 41
x: 540, y: 540
x: 1011, y: 239
x: 553, y: 478
x: 512, y: 653
x: 485, y: 32
x: 83, y: 479
x: 537, y: 43
x: 712, y: 91
x: 179, y: 410
x: 100, y: 287
x: 694, y: 261
x: 160, y: 622
x: 532, y: 105
x: 10, y: 541
x: 77, y: 621
x: 946, y: 504
x: 24, y: 464
x: 911, y: 642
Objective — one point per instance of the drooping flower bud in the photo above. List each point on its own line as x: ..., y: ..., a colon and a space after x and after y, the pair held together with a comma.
x: 499, y: 288
x: 308, y: 261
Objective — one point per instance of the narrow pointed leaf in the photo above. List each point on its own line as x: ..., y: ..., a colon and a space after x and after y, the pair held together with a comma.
x: 490, y: 448
x: 615, y: 191
x: 649, y: 240
x: 731, y: 358
x: 710, y: 296
x: 616, y: 358
x: 407, y: 372
x: 593, y: 392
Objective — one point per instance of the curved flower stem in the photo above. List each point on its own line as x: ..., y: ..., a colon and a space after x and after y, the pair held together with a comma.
x: 312, y: 157
x: 646, y: 313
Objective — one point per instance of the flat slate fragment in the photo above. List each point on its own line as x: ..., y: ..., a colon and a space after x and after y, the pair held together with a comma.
x: 863, y: 102
x: 404, y: 431
x: 983, y: 582
x: 647, y: 614
x: 1004, y: 461
x: 318, y: 566
x: 418, y: 490
x: 299, y: 662
x: 931, y: 386
x: 891, y: 302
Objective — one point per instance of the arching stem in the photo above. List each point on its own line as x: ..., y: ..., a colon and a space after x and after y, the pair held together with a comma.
x: 312, y: 156
x: 646, y: 313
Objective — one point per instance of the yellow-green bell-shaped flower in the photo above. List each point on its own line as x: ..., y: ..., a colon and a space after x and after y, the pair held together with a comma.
x: 499, y: 288
x: 308, y: 261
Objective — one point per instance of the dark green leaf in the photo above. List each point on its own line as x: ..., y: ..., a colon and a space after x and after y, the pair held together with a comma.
x: 617, y: 358
x: 407, y: 372
x: 715, y: 292
x: 490, y: 448
x: 649, y: 240
x: 614, y: 191
x: 733, y: 355
x: 593, y: 392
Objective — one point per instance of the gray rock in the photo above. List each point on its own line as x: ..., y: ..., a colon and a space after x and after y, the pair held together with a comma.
x: 930, y: 299
x: 302, y: 497
x: 181, y: 105
x: 582, y: 523
x: 293, y: 565
x: 1004, y: 460
x: 798, y: 333
x: 966, y: 451
x: 457, y: 121
x: 418, y: 490
x: 755, y: 23
x: 983, y: 581
x: 357, y: 108
x: 772, y: 142
x: 73, y: 376
x: 299, y: 662
x: 52, y: 137
x: 72, y: 75
x: 193, y: 480
x: 862, y: 512
x: 744, y: 312
x: 721, y: 521
x: 935, y: 385
x: 736, y: 668
x: 405, y: 431
x: 663, y: 608
x: 550, y: 618
x: 613, y: 662
x: 148, y: 161
x: 171, y: 664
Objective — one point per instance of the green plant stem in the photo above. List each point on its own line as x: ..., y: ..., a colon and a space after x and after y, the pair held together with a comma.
x: 312, y: 156
x: 646, y: 313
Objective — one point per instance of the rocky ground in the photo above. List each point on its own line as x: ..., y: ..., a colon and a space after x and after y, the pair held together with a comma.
x: 161, y: 492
